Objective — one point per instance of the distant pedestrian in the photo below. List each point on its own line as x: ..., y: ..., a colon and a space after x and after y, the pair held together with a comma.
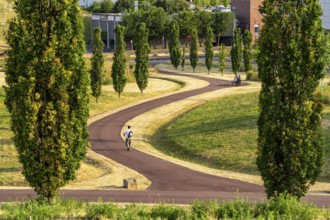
x: 128, y: 134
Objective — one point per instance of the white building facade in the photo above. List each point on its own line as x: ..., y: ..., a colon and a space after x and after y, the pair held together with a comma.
x: 326, y: 13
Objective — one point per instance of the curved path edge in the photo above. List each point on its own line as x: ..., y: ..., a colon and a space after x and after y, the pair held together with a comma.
x: 171, y: 183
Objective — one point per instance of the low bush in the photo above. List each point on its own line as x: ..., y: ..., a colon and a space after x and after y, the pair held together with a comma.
x: 287, y: 207
x: 237, y: 209
x: 205, y: 210
x: 102, y: 210
x: 252, y: 75
x: 169, y: 212
x: 281, y: 208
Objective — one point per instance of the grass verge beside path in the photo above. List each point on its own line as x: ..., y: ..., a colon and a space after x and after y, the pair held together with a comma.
x: 151, y: 121
x: 96, y: 171
x: 222, y: 134
x: 147, y: 140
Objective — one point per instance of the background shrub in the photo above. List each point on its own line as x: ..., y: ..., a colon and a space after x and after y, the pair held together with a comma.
x: 102, y: 210
x: 237, y: 209
x: 252, y: 75
x: 204, y: 210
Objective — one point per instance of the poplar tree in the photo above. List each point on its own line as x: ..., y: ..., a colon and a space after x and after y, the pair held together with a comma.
x: 222, y: 59
x: 194, y: 49
x: 46, y: 92
x: 247, y: 50
x: 142, y: 57
x: 119, y: 61
x: 97, y: 62
x: 174, y: 44
x: 236, y: 51
x: 291, y: 63
x: 183, y: 58
x: 209, y: 49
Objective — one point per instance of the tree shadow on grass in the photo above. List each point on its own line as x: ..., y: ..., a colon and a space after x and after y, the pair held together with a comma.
x: 10, y: 169
x: 219, y: 125
x: 5, y: 141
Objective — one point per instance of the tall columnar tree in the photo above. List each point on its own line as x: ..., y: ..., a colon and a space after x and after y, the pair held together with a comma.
x: 46, y: 92
x: 291, y: 62
x: 209, y: 49
x: 194, y: 49
x: 141, y: 71
x: 174, y: 44
x: 236, y: 51
x: 119, y: 61
x: 97, y: 62
x: 247, y: 50
x: 222, y: 58
x: 183, y: 58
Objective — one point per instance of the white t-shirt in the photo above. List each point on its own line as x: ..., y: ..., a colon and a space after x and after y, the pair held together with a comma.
x: 127, y: 133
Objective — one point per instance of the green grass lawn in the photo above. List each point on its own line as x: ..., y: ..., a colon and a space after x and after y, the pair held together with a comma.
x: 222, y: 134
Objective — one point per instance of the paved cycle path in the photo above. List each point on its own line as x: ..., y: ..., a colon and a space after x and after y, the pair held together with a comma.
x: 171, y: 183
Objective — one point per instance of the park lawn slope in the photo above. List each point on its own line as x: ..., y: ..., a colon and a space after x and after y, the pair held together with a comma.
x: 222, y: 134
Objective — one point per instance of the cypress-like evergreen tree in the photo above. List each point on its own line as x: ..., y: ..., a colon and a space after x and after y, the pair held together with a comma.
x: 247, y: 50
x: 291, y: 63
x: 194, y: 49
x: 209, y: 49
x: 97, y: 62
x: 183, y: 58
x: 119, y: 61
x: 236, y: 51
x: 46, y: 92
x: 222, y: 58
x: 174, y: 44
x: 141, y: 71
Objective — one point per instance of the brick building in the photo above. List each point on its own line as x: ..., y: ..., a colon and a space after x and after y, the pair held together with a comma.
x: 247, y: 13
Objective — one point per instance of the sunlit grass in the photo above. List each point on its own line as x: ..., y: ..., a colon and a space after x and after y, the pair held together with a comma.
x: 10, y: 167
x: 222, y: 134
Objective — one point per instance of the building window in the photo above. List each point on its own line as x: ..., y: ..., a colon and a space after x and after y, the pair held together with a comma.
x: 256, y: 28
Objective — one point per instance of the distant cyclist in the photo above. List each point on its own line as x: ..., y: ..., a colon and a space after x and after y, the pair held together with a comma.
x: 128, y: 135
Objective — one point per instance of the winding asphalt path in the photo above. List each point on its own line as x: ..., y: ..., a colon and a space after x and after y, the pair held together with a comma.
x: 171, y: 183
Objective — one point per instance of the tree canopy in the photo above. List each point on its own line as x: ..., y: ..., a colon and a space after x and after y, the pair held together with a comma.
x: 174, y: 44
x: 119, y: 61
x: 141, y: 71
x: 46, y: 92
x: 237, y: 51
x: 155, y: 20
x: 291, y: 62
x: 97, y: 62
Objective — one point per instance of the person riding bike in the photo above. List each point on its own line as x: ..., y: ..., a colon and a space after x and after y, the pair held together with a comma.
x: 128, y: 135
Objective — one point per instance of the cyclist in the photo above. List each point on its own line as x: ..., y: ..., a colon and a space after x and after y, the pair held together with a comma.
x: 128, y: 135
